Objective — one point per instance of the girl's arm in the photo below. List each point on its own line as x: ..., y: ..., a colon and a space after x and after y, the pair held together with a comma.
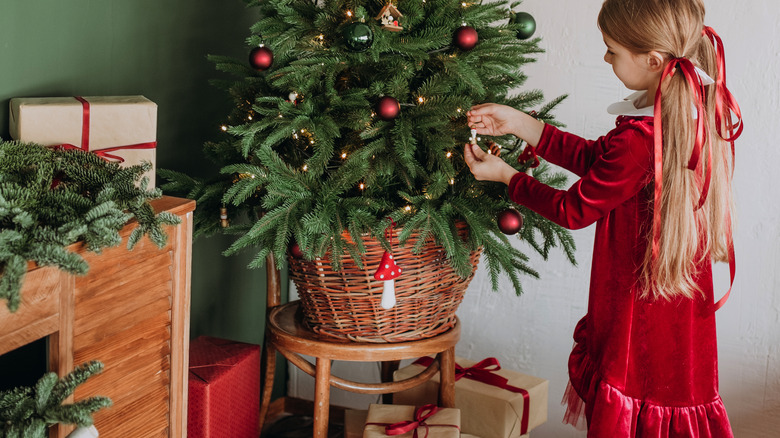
x: 566, y: 150
x: 569, y: 151
x: 618, y: 174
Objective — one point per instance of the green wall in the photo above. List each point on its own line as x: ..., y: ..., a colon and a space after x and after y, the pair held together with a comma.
x: 156, y: 48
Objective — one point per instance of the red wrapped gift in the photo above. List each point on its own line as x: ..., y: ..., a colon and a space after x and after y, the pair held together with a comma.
x: 224, y: 389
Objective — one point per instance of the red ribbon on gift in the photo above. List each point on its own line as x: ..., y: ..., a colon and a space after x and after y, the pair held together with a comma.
x: 420, y: 415
x: 103, y: 153
x: 483, y: 371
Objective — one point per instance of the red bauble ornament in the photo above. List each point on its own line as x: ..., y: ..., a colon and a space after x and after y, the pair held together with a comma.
x: 465, y: 38
x: 260, y: 58
x: 388, y: 108
x: 510, y: 221
x: 295, y: 251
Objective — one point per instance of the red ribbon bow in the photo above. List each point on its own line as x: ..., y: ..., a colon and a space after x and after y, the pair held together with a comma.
x: 483, y: 371
x: 103, y: 153
x: 420, y: 415
x: 725, y: 106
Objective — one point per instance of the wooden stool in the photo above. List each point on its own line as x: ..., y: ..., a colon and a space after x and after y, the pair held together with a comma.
x: 286, y: 334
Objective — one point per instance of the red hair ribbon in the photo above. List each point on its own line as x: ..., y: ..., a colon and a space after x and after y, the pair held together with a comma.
x: 725, y: 106
x: 688, y: 70
x: 420, y: 415
x: 483, y: 371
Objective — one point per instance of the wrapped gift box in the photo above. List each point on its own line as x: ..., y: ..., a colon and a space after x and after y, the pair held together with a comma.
x: 487, y: 410
x: 124, y: 128
x: 443, y: 423
x: 224, y: 389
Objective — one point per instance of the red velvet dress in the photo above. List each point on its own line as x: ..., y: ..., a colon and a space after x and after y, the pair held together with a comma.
x: 643, y: 368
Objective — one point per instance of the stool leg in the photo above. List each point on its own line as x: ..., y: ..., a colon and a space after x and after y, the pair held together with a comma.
x: 321, y: 397
x: 447, y: 386
x: 388, y: 368
x: 269, y: 369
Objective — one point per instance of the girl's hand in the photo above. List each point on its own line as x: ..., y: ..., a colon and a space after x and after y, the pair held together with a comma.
x: 496, y: 120
x: 487, y: 167
x: 493, y: 119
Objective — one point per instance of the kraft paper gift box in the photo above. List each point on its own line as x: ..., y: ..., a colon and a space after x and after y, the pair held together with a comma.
x: 120, y: 128
x: 444, y: 423
x: 487, y: 411
x: 224, y: 389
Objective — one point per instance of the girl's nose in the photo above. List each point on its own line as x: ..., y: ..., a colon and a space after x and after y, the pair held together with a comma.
x: 606, y: 58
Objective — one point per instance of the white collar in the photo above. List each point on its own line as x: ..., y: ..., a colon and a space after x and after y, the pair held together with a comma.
x: 627, y: 106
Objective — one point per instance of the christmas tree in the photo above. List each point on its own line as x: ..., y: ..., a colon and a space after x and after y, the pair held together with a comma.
x: 52, y: 198
x: 28, y: 412
x: 350, y: 115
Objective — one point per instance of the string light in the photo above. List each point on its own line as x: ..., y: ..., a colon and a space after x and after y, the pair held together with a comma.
x: 224, y: 128
x: 463, y: 4
x: 362, y: 186
x: 449, y: 154
x: 421, y: 99
x: 349, y: 13
x: 452, y: 181
x: 249, y: 117
x: 460, y: 110
x: 305, y: 167
x: 408, y: 208
x: 343, y: 155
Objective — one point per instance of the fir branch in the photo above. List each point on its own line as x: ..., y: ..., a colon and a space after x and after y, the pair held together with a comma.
x: 50, y: 199
x: 29, y: 411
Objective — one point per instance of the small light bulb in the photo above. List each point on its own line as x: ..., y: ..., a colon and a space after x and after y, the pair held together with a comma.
x: 459, y: 110
x: 321, y: 37
x: 343, y: 155
x: 311, y: 141
x: 408, y: 208
x: 421, y: 99
x: 295, y: 136
x: 349, y: 13
x: 249, y: 117
x: 449, y: 154
x: 452, y: 181
x: 223, y: 128
x: 463, y: 4
x: 305, y: 167
x: 362, y: 186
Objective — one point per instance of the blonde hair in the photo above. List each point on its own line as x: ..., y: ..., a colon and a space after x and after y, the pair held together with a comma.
x: 674, y: 28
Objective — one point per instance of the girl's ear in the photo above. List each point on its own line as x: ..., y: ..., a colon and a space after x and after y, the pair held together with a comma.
x: 655, y: 61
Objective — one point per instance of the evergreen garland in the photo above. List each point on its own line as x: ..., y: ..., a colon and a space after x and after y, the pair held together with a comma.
x: 304, y: 168
x: 51, y: 198
x: 28, y: 412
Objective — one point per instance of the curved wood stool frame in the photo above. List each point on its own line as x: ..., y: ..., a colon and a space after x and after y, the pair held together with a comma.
x: 286, y: 334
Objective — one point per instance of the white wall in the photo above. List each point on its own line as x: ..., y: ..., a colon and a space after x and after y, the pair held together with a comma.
x: 532, y: 333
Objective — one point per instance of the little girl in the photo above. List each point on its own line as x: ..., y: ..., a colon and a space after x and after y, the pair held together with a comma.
x: 658, y: 187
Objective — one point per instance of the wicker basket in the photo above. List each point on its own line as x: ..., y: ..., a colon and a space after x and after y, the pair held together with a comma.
x: 345, y: 304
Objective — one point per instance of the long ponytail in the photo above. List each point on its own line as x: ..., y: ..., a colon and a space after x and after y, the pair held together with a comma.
x: 693, y: 203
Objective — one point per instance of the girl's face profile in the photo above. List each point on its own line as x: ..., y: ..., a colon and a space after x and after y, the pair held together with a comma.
x: 632, y: 69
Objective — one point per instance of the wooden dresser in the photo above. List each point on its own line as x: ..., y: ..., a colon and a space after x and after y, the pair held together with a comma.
x: 131, y: 311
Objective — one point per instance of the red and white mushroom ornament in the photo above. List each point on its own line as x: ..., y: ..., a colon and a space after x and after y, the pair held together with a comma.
x: 387, y: 272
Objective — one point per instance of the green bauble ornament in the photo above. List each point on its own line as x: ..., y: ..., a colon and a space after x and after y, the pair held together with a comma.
x: 527, y: 25
x: 358, y: 37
